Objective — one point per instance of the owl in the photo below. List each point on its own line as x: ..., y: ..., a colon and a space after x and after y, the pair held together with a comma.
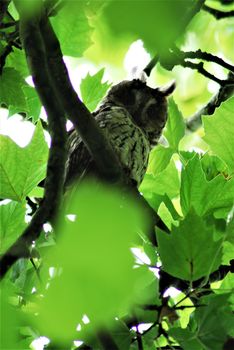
x: 132, y: 117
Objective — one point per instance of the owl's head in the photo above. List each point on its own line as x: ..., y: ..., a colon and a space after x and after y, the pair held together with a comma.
x: 147, y: 106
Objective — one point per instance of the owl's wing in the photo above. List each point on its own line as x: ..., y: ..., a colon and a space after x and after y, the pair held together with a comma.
x: 79, y: 159
x: 127, y: 139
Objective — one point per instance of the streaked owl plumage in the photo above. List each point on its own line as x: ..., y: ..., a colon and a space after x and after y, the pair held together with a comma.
x: 132, y: 116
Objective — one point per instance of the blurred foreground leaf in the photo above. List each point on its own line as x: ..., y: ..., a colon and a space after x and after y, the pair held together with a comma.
x: 72, y: 28
x: 157, y: 23
x: 93, y: 251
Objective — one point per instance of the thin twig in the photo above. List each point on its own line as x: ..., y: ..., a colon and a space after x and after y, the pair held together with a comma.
x: 225, y: 92
x: 218, y: 14
x: 205, y: 56
x: 200, y: 68
x: 36, y: 270
x: 8, y: 24
x: 151, y: 65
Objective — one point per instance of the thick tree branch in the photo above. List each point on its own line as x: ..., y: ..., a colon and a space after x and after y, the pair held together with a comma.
x: 93, y: 137
x: 225, y: 92
x: 35, y: 54
x: 218, y: 14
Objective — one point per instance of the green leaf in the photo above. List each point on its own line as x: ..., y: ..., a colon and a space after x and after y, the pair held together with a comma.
x: 21, y: 169
x: 72, y: 28
x: 174, y: 131
x: 190, y: 251
x: 11, y: 92
x: 213, y: 166
x: 227, y: 286
x: 219, y: 131
x: 157, y: 23
x: 102, y: 229
x: 33, y: 103
x: 12, y: 223
x: 159, y: 159
x: 159, y: 183
x: 215, y: 321
x: 175, y: 126
x: 204, y: 196
x: 186, y: 338
x: 10, y: 320
x: 17, y: 59
x: 93, y: 90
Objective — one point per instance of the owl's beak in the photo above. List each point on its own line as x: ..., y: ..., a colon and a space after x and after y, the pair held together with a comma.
x: 168, y: 89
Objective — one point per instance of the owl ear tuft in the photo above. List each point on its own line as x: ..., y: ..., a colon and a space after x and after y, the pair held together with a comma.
x: 137, y: 74
x: 168, y: 89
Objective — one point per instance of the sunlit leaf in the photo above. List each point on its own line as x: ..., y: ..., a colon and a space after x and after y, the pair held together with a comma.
x: 93, y: 90
x: 166, y: 182
x: 219, y: 131
x: 33, y: 103
x: 11, y: 92
x: 205, y: 196
x: 12, y: 223
x: 175, y: 127
x: 190, y: 251
x: 21, y: 169
x: 174, y: 131
x: 17, y: 59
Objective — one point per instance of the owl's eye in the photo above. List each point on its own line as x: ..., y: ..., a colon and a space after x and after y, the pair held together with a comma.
x: 127, y: 97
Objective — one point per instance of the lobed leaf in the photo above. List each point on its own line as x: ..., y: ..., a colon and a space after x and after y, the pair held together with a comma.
x: 21, y: 169
x: 190, y: 251
x: 93, y: 90
x: 219, y: 131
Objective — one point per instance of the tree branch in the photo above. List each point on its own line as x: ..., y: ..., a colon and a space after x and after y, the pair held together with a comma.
x: 218, y: 14
x: 166, y: 280
x: 3, y: 8
x: 6, y: 51
x: 205, y: 56
x: 93, y: 137
x: 36, y: 58
x: 224, y: 93
x: 191, y: 13
x: 175, y: 57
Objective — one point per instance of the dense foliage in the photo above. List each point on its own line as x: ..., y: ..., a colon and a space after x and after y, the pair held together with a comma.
x: 81, y: 270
